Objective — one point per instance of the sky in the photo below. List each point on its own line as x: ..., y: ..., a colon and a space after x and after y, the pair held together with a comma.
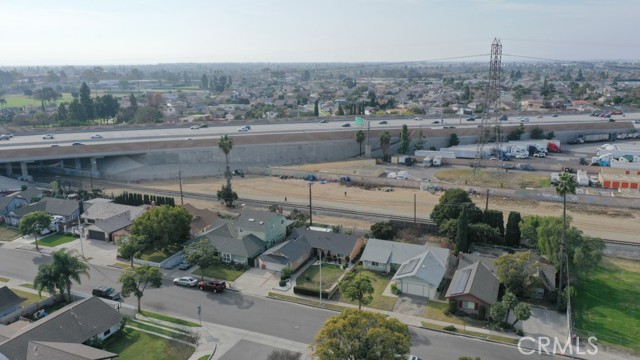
x: 112, y: 32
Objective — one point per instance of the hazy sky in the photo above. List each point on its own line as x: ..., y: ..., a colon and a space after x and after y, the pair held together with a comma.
x: 41, y: 32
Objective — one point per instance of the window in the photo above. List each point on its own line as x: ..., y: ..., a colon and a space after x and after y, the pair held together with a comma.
x: 374, y: 263
x: 107, y: 332
x: 469, y: 305
x: 282, y: 221
x: 226, y: 257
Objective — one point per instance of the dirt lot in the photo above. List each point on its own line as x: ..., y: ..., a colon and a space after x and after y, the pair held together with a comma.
x: 607, y: 223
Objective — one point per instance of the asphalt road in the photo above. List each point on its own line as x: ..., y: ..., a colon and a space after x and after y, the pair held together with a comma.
x: 272, y: 317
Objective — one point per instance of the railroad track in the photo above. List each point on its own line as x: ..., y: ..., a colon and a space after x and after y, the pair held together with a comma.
x: 316, y: 209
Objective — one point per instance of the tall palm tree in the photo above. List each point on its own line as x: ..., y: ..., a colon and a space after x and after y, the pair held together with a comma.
x: 360, y: 137
x: 225, y: 143
x: 46, y: 279
x: 385, y: 139
x: 69, y: 267
x: 566, y: 185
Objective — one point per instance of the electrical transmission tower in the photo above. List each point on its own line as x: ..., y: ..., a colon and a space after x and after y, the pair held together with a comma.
x: 491, y: 105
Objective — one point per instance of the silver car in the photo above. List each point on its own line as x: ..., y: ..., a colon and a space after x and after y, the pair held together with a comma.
x: 189, y: 281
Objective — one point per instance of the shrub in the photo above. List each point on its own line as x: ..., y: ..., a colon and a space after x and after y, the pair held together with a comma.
x: 482, y: 312
x: 453, y: 306
x: 449, y: 328
x: 394, y: 289
x: 282, y: 283
x: 519, y: 332
x: 446, y: 311
x: 286, y: 273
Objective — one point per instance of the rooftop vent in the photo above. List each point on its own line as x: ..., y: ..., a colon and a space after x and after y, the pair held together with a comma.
x: 252, y: 220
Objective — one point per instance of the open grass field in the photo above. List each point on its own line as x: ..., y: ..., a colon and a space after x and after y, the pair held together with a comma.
x: 310, y: 278
x: 55, y: 240
x: 131, y: 344
x: 607, y: 306
x: 379, y: 282
x: 220, y: 271
x: 8, y: 233
x: 496, y: 179
x: 22, y: 101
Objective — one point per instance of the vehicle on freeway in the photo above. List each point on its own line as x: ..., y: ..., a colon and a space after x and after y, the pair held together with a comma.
x: 503, y: 118
x: 493, y: 158
x: 612, y: 120
x: 96, y: 136
x: 189, y: 281
x: 5, y: 137
x: 522, y: 156
x: 185, y: 265
x: 383, y: 122
x: 540, y: 155
x: 204, y: 126
x: 417, y: 118
x: 55, y: 145
x: 539, y: 116
x: 188, y: 138
x: 471, y: 119
x: 76, y: 144
x: 212, y: 285
x: 508, y: 166
x: 48, y: 137
x: 194, y: 127
x: 525, y: 119
x: 554, y: 115
x: 435, y: 122
x: 323, y: 121
x: 106, y: 292
x: 244, y: 129
x: 345, y: 125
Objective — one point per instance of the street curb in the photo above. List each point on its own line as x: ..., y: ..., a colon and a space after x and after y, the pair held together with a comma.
x: 300, y: 303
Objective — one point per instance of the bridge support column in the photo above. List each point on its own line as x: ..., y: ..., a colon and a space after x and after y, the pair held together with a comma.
x: 367, y: 151
x: 25, y: 172
x: 94, y: 166
x: 78, y: 164
x: 9, y: 168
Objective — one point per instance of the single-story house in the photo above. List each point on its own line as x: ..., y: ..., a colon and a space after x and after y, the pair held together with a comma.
x: 422, y: 275
x: 9, y: 301
x: 105, y: 229
x: 46, y: 350
x: 103, y: 209
x: 201, y: 219
x: 76, y: 323
x: 473, y: 287
x: 10, y: 203
x: 388, y: 256
x: 303, y: 243
x: 31, y: 194
x: 241, y: 250
x: 68, y: 209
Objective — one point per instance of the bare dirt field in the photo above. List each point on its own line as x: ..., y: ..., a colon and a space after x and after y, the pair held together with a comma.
x: 607, y: 223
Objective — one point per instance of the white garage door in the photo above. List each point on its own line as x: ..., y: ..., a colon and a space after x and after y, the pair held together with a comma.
x: 266, y: 265
x: 415, y: 289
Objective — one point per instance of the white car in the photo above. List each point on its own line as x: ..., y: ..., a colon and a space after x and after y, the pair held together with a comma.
x: 417, y: 118
x: 522, y: 156
x: 194, y: 127
x: 96, y: 136
x: 244, y: 129
x: 540, y: 155
x: 189, y: 281
x: 48, y: 137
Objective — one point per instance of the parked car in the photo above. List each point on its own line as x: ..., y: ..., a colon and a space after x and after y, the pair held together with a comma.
x: 185, y: 265
x: 96, y: 136
x: 238, y: 172
x: 106, y: 292
x: 540, y: 155
x: 215, y: 286
x: 189, y: 281
x: 48, y: 137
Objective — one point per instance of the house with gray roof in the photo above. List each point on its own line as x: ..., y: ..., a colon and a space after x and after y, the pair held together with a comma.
x: 388, y: 256
x: 292, y: 253
x: 232, y: 248
x: 46, y: 350
x: 270, y: 227
x: 68, y: 209
x: 474, y: 287
x: 10, y: 203
x: 9, y: 301
x: 422, y: 274
x: 76, y: 323
x: 103, y: 210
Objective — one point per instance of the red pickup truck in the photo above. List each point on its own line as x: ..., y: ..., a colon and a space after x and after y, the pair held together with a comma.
x: 215, y: 286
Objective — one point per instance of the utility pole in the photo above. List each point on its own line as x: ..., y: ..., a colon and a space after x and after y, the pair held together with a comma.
x: 486, y: 205
x: 320, y: 252
x: 415, y: 217
x: 180, y: 182
x: 310, y: 207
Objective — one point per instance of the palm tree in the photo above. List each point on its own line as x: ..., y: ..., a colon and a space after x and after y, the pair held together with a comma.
x: 46, y: 279
x: 566, y: 185
x: 3, y: 103
x: 360, y: 137
x: 385, y: 139
x: 68, y: 267
x: 225, y: 143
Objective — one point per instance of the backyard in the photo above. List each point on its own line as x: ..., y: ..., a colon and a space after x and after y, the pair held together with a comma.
x: 606, y: 305
x: 379, y: 282
x: 310, y: 278
x: 220, y: 271
x: 55, y: 240
x: 132, y: 344
x: 8, y: 233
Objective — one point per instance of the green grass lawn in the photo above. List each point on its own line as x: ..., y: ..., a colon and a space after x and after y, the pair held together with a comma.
x: 131, y: 344
x: 462, y: 330
x: 435, y: 310
x: 310, y: 278
x: 30, y: 297
x: 55, y: 240
x: 169, y: 319
x: 22, y: 101
x: 607, y: 306
x: 379, y: 282
x: 4, y: 279
x: 8, y: 233
x: 299, y: 300
x: 220, y: 271
x: 158, y: 255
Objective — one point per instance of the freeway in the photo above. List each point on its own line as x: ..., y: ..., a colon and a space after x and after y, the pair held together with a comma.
x: 117, y: 134
x: 276, y: 318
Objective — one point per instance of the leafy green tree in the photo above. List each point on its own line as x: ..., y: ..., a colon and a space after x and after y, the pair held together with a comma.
x: 522, y: 312
x: 163, y: 225
x: 495, y: 219
x: 202, y: 254
x: 316, y: 110
x: 147, y: 115
x: 225, y: 144
x: 47, y: 279
x: 566, y: 185
x: 385, y: 140
x: 383, y: 230
x: 498, y: 312
x: 340, y: 110
x: 512, y: 236
x: 514, y: 271
x: 536, y: 133
x: 130, y: 246
x: 283, y: 354
x: 484, y: 234
x: 405, y: 141
x: 509, y: 300
x: 450, y: 205
x: 135, y: 281
x: 453, y: 140
x: 86, y: 101
x: 462, y: 232
x: 33, y: 224
x: 204, y: 82
x: 299, y: 217
x: 362, y: 335
x: 68, y: 267
x: 419, y: 141
x: 76, y: 112
x: 360, y: 138
x: 357, y: 287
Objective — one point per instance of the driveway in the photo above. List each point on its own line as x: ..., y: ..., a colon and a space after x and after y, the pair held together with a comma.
x: 257, y: 281
x: 545, y: 322
x: 410, y: 305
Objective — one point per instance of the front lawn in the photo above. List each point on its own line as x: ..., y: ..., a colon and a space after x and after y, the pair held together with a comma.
x: 159, y: 255
x: 435, y: 310
x: 310, y: 278
x: 29, y: 296
x: 379, y: 282
x: 220, y: 271
x: 55, y: 240
x: 131, y: 344
x: 606, y: 305
x: 8, y: 233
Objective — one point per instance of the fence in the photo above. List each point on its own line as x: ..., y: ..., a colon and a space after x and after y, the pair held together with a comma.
x: 168, y: 263
x: 28, y: 310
